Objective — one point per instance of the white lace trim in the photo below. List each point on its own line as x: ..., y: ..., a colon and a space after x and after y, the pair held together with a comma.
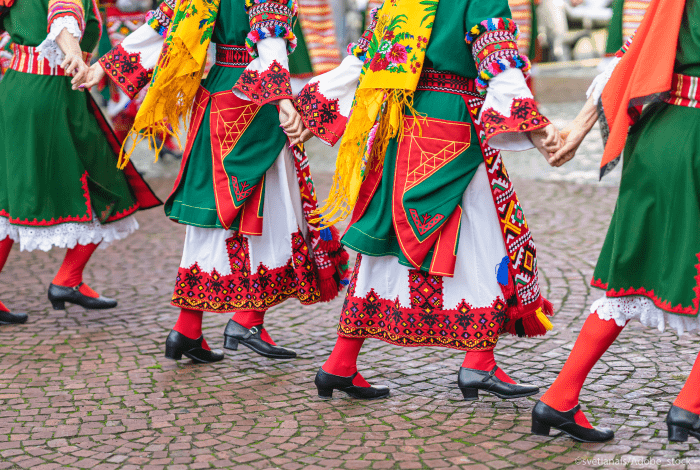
x: 623, y: 309
x: 49, y: 49
x: 67, y: 235
x: 599, y: 82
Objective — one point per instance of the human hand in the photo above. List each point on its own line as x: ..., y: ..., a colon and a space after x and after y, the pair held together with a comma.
x: 290, y: 121
x: 573, y: 136
x: 547, y: 140
x: 74, y: 65
x: 94, y: 76
x: 575, y: 3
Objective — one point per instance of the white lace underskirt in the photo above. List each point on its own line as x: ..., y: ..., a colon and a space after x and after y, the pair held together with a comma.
x: 67, y: 235
x: 623, y: 309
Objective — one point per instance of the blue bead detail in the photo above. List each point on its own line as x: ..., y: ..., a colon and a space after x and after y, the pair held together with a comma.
x: 502, y: 272
x: 326, y: 234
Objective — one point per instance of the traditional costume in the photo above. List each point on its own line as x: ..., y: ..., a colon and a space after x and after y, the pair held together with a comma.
x: 648, y: 265
x: 59, y: 181
x: 245, y: 196
x: 446, y: 255
x: 316, y: 51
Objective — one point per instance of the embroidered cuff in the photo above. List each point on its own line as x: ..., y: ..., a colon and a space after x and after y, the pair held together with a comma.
x: 66, y: 8
x: 320, y: 115
x: 126, y: 70
x: 524, y: 117
x: 266, y: 86
x: 271, y: 19
x: 359, y: 48
x: 495, y: 49
x: 625, y: 47
x: 160, y: 18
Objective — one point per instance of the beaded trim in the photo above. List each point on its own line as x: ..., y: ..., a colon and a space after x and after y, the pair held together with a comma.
x: 160, y: 18
x: 359, y: 48
x: 271, y: 19
x: 495, y: 49
x: 232, y: 56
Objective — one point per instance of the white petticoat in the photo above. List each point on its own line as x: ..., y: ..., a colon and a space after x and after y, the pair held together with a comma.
x: 67, y: 235
x: 623, y: 309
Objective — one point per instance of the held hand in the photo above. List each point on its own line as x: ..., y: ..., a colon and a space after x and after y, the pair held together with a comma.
x: 74, y: 65
x: 290, y: 121
x: 547, y: 140
x: 573, y: 135
x: 94, y: 76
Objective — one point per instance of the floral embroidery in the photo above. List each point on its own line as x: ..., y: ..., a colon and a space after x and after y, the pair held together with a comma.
x: 126, y: 70
x: 524, y: 117
x: 264, y: 87
x: 394, y: 51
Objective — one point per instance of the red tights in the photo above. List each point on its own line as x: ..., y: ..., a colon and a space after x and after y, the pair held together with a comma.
x: 70, y: 274
x: 689, y: 398
x: 249, y: 319
x: 5, y: 247
x: 485, y: 360
x: 343, y: 359
x: 595, y: 338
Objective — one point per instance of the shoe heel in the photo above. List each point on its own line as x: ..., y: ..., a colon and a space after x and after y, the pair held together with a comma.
x: 172, y: 353
x: 677, y: 433
x: 540, y: 429
x: 58, y: 304
x: 470, y: 394
x: 325, y: 393
x: 230, y: 343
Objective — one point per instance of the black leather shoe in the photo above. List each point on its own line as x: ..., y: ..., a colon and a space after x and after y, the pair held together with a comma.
x: 544, y: 417
x: 235, y: 333
x: 470, y: 381
x: 326, y: 383
x: 59, y: 295
x: 682, y: 423
x: 178, y: 344
x: 7, y: 318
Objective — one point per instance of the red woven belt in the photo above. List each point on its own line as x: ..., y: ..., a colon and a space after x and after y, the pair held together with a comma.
x: 26, y: 59
x: 232, y: 56
x: 445, y: 82
x: 685, y: 91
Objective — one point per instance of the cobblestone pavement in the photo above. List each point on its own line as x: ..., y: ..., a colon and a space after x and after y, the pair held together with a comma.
x: 91, y: 389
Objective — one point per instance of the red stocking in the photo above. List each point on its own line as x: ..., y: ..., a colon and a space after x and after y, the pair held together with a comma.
x: 5, y: 247
x: 689, y: 398
x: 249, y: 319
x: 485, y: 360
x: 70, y: 273
x: 343, y: 359
x: 189, y: 323
x: 595, y: 338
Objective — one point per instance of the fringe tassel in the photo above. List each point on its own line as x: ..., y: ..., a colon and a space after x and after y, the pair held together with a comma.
x: 168, y: 102
x: 534, y: 322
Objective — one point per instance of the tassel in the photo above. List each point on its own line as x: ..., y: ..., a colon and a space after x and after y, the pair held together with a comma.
x: 329, y: 289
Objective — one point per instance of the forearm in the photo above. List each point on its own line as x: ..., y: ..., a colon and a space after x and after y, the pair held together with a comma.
x: 588, y: 115
x: 68, y: 43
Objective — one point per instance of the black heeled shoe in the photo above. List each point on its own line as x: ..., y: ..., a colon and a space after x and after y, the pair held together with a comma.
x: 470, y: 381
x: 235, y: 333
x: 326, y: 383
x: 544, y: 417
x: 10, y: 318
x: 178, y: 344
x: 682, y: 423
x: 59, y: 295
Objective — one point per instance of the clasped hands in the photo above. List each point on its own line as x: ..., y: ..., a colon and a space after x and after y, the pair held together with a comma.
x: 558, y: 147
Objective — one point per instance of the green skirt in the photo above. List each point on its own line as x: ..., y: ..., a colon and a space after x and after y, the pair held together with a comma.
x: 653, y: 244
x: 57, y: 162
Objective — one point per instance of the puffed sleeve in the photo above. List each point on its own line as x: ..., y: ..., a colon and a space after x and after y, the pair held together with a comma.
x: 267, y: 79
x: 325, y: 102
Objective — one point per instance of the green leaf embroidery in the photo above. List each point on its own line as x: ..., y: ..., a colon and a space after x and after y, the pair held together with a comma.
x: 431, y: 10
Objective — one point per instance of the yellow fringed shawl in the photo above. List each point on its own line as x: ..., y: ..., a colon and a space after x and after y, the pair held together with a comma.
x: 177, y: 76
x: 389, y: 78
